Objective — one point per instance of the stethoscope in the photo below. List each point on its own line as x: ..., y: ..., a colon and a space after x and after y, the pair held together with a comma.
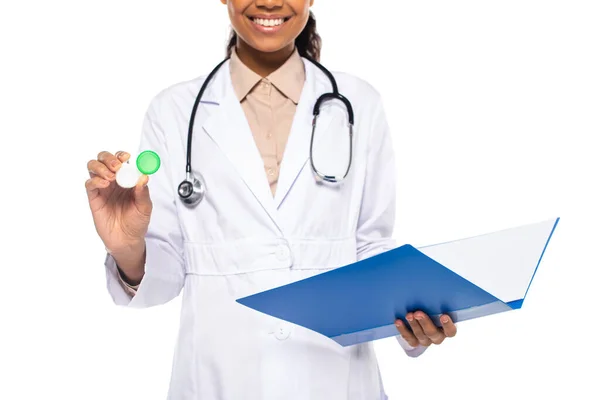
x: 193, y: 189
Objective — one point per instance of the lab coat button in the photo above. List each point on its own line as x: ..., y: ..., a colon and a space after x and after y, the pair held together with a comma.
x: 282, y: 332
x: 283, y: 253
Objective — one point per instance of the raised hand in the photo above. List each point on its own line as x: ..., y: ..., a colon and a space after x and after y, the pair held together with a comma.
x: 121, y: 216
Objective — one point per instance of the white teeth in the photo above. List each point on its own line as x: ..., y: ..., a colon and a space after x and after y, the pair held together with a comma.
x: 268, y: 22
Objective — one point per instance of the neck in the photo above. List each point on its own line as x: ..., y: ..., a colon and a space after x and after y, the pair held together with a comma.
x: 260, y: 62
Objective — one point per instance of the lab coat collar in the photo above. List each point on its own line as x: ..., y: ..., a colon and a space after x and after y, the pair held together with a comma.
x: 226, y: 124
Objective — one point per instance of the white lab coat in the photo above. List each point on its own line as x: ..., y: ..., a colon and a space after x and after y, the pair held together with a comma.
x: 241, y: 240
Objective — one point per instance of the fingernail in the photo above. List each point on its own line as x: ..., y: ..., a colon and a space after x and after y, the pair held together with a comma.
x: 419, y: 317
x: 444, y: 320
x: 398, y: 323
x: 409, y: 317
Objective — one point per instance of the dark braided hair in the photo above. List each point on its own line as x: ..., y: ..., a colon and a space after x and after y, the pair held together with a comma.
x: 308, y: 42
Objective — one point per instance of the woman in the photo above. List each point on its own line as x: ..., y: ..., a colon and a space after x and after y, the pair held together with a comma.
x: 264, y: 222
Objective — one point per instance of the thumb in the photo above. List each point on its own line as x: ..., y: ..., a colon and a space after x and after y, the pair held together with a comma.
x: 142, y: 195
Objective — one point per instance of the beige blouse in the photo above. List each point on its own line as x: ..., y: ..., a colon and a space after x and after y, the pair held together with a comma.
x: 269, y: 104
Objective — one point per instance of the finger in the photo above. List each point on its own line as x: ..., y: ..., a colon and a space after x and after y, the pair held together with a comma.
x: 406, y: 333
x: 429, y: 328
x: 95, y: 183
x: 448, y: 326
x: 143, y: 181
x: 142, y: 196
x: 109, y: 160
x: 417, y: 330
x: 122, y: 156
x: 98, y: 168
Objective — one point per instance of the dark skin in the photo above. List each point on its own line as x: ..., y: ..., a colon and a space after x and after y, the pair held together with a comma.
x: 422, y: 331
x: 265, y: 52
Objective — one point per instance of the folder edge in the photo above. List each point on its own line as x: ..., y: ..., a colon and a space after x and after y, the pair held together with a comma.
x: 386, y: 331
x: 518, y: 303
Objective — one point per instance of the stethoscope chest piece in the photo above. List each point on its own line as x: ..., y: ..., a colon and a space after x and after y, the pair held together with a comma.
x: 192, y: 190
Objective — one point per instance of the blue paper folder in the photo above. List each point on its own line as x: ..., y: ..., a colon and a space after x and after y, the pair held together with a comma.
x: 360, y: 302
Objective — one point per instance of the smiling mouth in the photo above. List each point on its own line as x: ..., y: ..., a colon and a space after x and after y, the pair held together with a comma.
x: 269, y: 22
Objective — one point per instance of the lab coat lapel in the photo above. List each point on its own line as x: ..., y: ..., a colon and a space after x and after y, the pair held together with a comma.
x: 297, y: 150
x: 229, y: 129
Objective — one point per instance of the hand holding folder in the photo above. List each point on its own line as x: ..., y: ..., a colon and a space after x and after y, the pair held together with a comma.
x: 465, y: 279
x: 420, y: 330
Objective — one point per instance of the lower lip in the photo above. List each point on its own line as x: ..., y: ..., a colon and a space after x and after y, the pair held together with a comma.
x: 268, y: 29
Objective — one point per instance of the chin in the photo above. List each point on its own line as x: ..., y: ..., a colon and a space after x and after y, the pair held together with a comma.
x: 269, y: 46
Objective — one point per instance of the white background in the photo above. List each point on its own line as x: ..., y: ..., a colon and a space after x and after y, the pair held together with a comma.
x: 495, y: 110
